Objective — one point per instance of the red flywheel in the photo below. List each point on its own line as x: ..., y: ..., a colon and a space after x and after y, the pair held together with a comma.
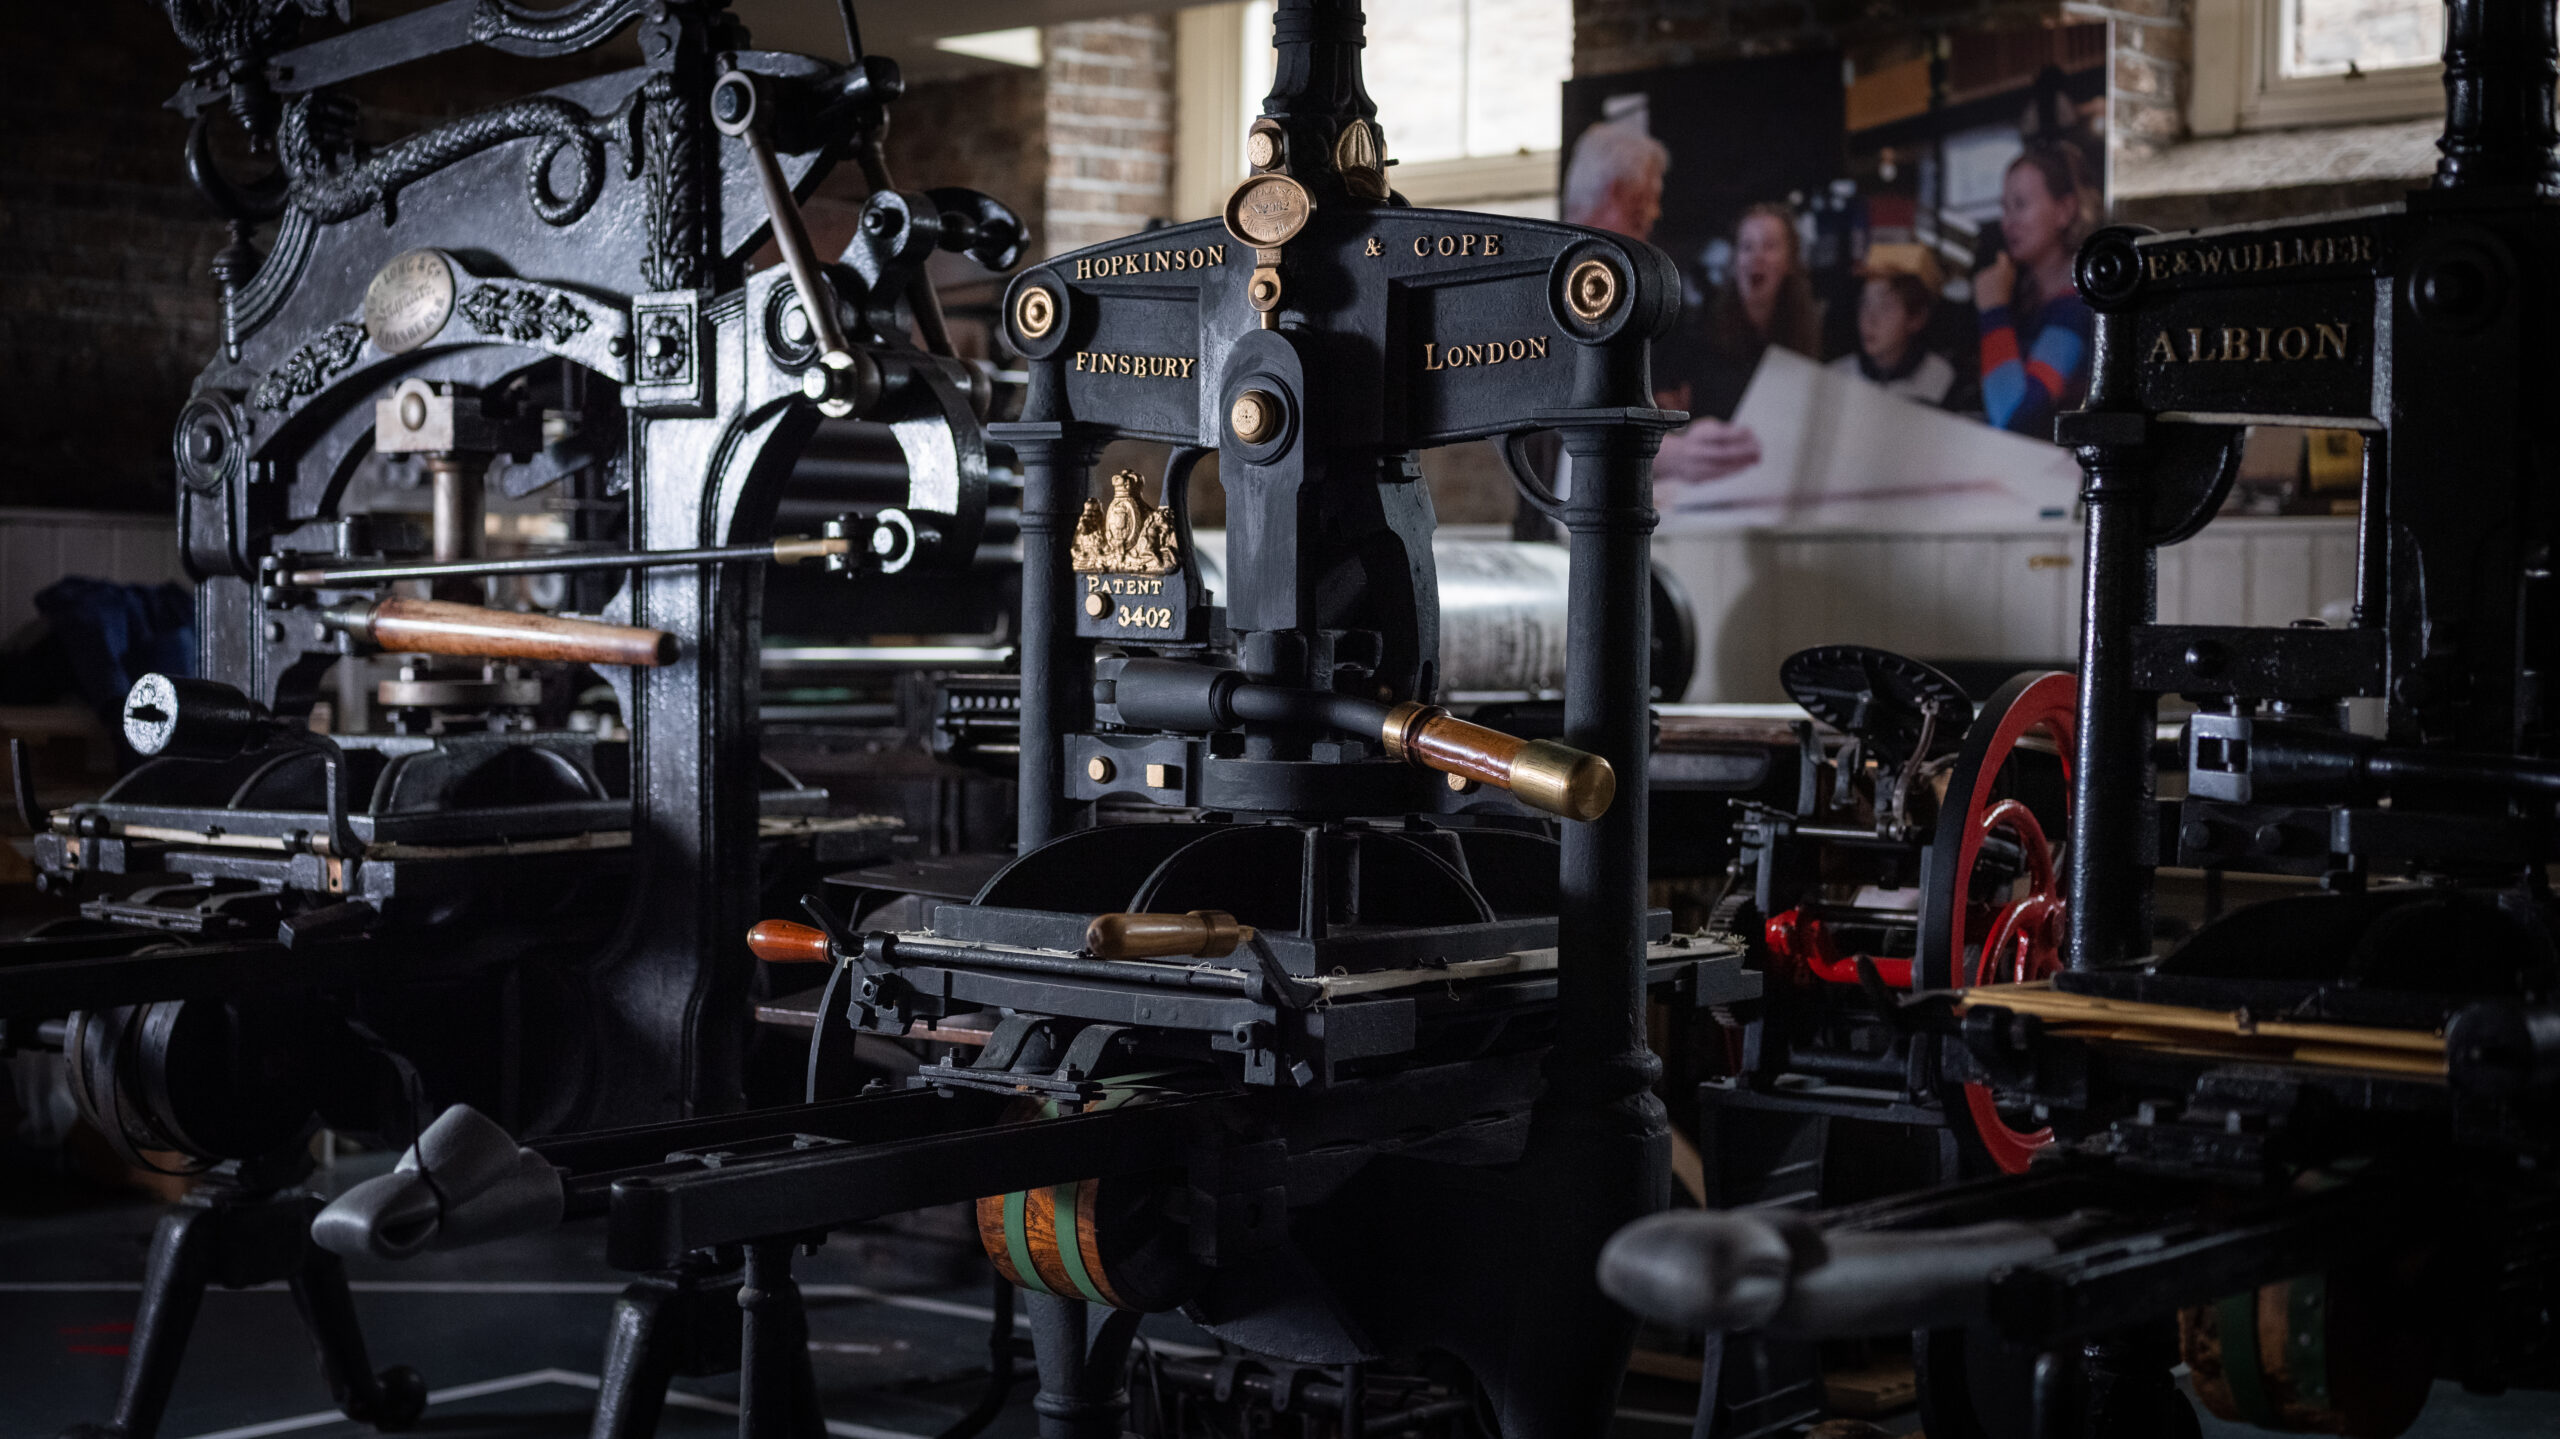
x: 1971, y: 936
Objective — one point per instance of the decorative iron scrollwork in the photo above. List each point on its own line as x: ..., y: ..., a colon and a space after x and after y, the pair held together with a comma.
x: 312, y: 364
x: 331, y: 189
x: 524, y: 314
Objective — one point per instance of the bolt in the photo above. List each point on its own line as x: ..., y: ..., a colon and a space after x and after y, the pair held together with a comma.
x: 275, y: 631
x: 795, y: 325
x: 729, y: 102
x: 880, y: 220
x: 1100, y: 769
x: 884, y: 542
x: 1097, y: 605
x: 1255, y: 416
x: 413, y: 411
x: 204, y: 442
x: 655, y: 347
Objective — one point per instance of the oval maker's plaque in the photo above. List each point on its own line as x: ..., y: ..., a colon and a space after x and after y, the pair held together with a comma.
x: 1268, y: 211
x: 409, y: 301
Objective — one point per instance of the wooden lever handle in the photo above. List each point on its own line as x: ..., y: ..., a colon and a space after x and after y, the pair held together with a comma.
x: 1201, y: 934
x: 437, y: 627
x: 1541, y: 774
x: 779, y: 941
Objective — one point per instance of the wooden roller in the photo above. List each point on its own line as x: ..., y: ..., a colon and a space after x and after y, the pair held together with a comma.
x: 1542, y: 774
x: 439, y: 627
x: 779, y: 941
x: 1201, y: 934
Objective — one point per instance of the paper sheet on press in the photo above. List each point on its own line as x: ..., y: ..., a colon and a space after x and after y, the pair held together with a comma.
x: 1837, y: 450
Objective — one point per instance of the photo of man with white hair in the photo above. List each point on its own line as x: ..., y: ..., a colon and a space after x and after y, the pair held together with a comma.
x: 1613, y: 181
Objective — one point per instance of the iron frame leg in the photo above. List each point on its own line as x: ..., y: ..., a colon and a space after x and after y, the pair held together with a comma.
x: 777, y: 1388
x: 1083, y: 1364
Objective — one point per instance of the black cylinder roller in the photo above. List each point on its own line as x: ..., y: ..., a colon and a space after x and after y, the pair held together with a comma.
x: 193, y: 719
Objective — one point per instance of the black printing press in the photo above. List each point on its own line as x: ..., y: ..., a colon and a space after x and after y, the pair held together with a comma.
x: 1307, y: 1007
x: 2304, y: 1149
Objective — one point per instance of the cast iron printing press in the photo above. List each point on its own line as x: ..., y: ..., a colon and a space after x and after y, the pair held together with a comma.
x: 1344, y: 1021
x: 485, y: 904
x: 2306, y: 1150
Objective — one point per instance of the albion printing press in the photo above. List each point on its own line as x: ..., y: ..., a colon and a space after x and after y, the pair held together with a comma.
x: 2306, y: 1149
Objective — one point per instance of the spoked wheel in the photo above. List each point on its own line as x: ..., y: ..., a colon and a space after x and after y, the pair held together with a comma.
x: 1977, y: 927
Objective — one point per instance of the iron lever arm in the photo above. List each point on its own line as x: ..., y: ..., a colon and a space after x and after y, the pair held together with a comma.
x: 844, y: 381
x: 1543, y: 774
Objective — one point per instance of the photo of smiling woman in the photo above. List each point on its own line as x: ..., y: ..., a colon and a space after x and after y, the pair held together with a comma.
x: 2035, y: 330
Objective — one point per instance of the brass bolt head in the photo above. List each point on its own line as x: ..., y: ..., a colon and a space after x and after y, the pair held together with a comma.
x: 1592, y: 290
x: 413, y: 411
x: 1097, y: 605
x: 1254, y: 416
x: 1262, y: 148
x: 1100, y: 770
x: 1035, y: 311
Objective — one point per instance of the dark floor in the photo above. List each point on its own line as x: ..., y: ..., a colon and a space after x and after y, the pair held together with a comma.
x: 509, y: 1337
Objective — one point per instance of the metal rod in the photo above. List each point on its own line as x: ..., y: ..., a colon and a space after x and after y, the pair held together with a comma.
x: 789, y: 550
x: 901, y: 948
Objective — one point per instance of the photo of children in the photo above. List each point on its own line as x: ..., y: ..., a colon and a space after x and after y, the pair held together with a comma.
x: 1872, y: 245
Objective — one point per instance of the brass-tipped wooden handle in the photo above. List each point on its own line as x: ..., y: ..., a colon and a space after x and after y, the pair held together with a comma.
x: 779, y: 941
x: 1540, y: 773
x: 439, y: 627
x: 1201, y: 934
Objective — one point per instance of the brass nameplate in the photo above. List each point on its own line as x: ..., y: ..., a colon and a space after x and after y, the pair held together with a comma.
x: 1145, y: 367
x: 1150, y: 262
x: 1491, y: 352
x: 2255, y: 257
x: 2255, y: 344
x: 1456, y: 246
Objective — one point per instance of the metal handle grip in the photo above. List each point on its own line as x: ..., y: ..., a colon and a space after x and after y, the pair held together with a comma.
x: 1540, y: 773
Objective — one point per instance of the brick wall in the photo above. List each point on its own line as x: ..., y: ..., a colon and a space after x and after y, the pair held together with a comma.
x: 2154, y: 43
x: 1110, y: 129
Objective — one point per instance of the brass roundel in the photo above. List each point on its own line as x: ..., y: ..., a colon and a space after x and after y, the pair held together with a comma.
x: 1592, y: 290
x: 1261, y: 148
x: 1097, y: 605
x: 1035, y: 310
x: 1100, y: 770
x: 1268, y: 211
x: 1254, y: 416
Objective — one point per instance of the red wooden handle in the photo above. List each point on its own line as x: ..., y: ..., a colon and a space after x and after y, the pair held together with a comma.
x: 779, y: 941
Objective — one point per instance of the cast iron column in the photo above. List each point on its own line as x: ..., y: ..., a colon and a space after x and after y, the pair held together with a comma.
x: 1600, y: 1143
x: 1054, y: 681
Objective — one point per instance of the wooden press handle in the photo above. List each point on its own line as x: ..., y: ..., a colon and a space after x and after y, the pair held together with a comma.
x: 1201, y: 934
x: 1541, y: 774
x: 438, y: 627
x: 779, y: 941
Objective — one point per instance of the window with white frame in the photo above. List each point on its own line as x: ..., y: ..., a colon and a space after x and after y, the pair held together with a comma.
x: 1469, y: 92
x: 2279, y: 64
